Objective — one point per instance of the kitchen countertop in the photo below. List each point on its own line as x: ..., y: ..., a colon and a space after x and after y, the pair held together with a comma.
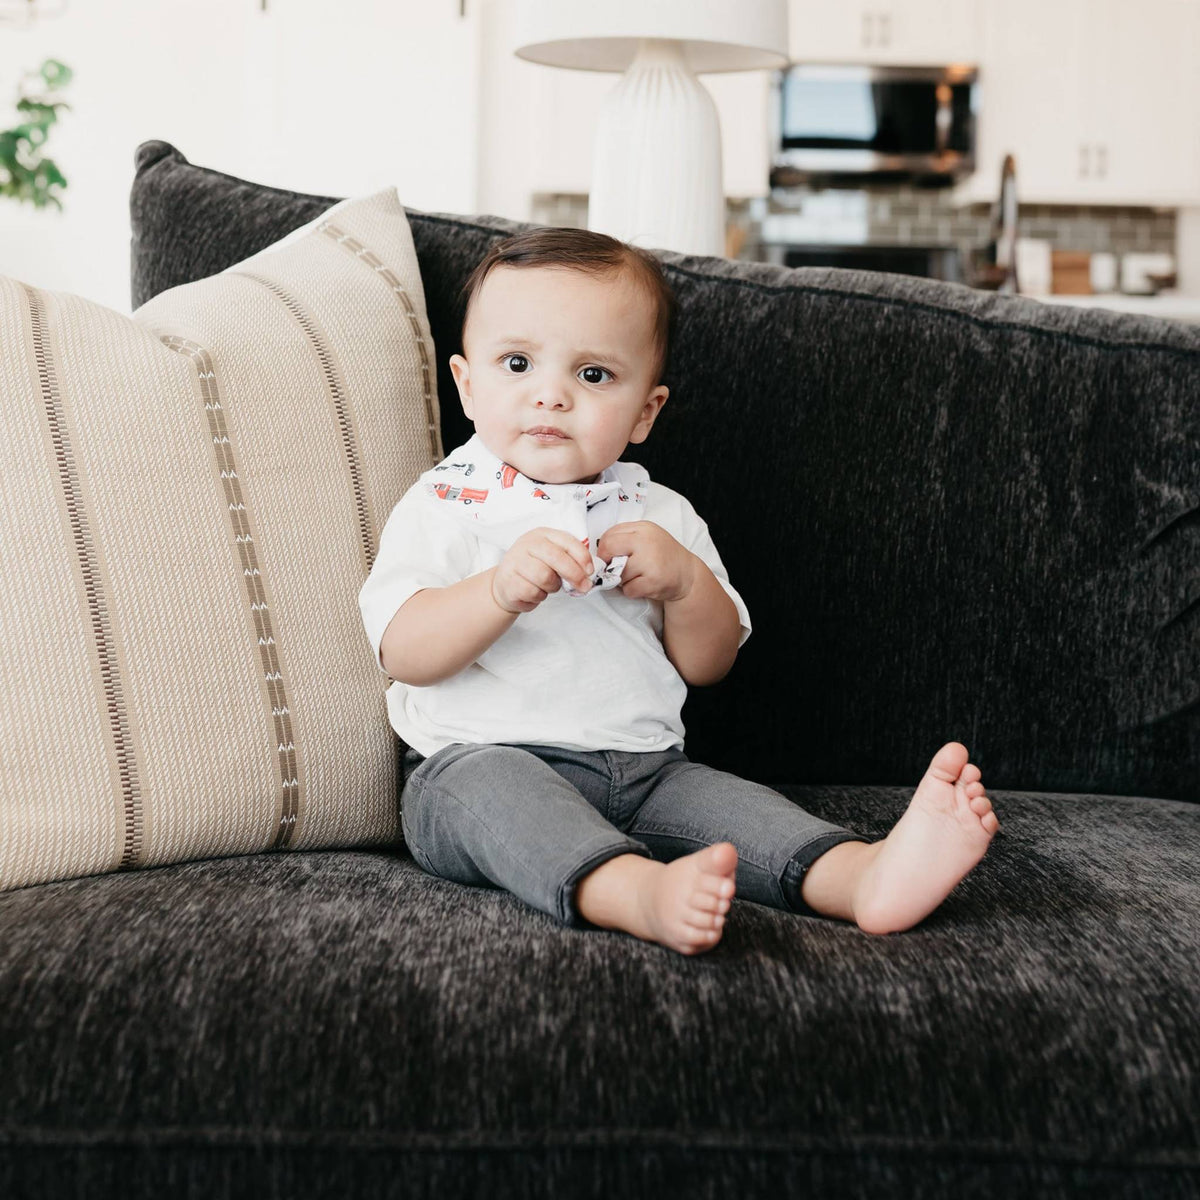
x: 1172, y: 305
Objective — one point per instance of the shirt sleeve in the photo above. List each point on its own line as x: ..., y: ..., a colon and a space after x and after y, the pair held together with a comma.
x: 417, y: 550
x: 692, y: 533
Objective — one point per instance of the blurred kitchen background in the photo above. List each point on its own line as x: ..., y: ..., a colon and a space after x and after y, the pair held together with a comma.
x: 1046, y: 147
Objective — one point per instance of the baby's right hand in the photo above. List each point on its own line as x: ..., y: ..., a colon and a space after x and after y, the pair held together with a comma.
x: 535, y: 565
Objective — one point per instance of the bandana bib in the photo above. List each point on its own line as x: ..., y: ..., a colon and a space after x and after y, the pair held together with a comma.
x: 500, y: 504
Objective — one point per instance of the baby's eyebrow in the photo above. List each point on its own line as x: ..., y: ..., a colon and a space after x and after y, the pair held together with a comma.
x: 526, y: 344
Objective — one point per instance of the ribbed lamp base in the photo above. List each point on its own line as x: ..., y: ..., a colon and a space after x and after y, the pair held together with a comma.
x: 656, y: 167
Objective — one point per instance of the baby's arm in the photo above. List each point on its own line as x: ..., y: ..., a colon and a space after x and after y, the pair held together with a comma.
x: 440, y: 630
x: 701, y: 629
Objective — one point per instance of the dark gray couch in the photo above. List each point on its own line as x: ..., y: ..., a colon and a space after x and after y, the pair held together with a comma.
x: 952, y: 515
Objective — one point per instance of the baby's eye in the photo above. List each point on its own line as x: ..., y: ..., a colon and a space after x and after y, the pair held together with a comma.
x: 589, y: 374
x: 520, y: 364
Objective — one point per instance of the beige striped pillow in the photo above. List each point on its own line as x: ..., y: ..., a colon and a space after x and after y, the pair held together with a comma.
x: 190, y: 500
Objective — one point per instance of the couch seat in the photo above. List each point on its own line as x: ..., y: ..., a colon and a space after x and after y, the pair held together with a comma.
x: 340, y: 1023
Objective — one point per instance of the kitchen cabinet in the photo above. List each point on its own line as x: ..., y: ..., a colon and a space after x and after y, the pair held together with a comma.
x: 1142, y: 97
x: 1098, y: 101
x: 1030, y: 100
x: 895, y: 32
x: 383, y: 95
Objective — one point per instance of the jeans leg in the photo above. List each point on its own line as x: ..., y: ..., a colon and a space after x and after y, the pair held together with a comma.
x: 497, y: 815
x: 690, y: 806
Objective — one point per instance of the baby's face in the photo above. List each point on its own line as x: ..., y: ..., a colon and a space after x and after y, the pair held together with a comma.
x: 558, y: 370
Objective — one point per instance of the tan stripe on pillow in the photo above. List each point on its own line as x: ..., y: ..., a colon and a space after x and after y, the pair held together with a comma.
x: 259, y: 623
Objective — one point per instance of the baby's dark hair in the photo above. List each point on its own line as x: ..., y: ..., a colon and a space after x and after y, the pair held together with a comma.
x: 592, y: 253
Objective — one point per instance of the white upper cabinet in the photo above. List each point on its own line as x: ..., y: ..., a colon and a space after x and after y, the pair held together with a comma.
x: 383, y: 95
x: 1097, y: 100
x: 1142, y: 91
x: 1030, y: 100
x: 895, y: 32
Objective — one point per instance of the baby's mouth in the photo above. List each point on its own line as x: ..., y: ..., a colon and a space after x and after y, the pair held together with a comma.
x: 546, y: 433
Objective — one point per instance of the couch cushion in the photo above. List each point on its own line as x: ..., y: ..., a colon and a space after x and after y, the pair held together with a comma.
x: 190, y: 501
x: 983, y: 510
x: 342, y: 1024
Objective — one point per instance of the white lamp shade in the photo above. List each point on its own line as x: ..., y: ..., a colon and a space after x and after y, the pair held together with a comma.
x: 603, y: 35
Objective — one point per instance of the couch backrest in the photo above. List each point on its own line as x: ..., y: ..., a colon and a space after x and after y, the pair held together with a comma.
x: 953, y: 515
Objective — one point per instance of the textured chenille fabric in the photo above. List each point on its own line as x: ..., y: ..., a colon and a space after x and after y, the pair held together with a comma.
x: 985, y: 510
x: 341, y: 1024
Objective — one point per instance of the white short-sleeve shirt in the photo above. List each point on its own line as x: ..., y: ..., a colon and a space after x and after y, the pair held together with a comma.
x: 587, y: 672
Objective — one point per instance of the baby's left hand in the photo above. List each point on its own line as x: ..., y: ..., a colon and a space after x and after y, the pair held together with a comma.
x: 659, y: 568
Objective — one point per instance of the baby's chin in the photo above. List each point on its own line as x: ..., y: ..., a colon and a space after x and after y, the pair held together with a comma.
x: 543, y: 468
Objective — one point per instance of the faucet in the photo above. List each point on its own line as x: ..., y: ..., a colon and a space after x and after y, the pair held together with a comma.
x: 1004, y: 228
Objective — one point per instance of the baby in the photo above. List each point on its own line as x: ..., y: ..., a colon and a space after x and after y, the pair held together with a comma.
x: 542, y: 606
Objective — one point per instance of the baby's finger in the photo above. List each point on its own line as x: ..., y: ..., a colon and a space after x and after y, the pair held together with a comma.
x: 539, y: 574
x: 635, y: 589
x: 611, y: 544
x: 571, y: 562
x: 572, y: 545
x: 633, y: 581
x: 530, y: 589
x: 620, y: 539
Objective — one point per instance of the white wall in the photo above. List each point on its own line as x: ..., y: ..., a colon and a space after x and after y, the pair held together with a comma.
x: 336, y: 99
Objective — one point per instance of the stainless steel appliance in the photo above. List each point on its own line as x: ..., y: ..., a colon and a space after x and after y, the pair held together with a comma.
x: 930, y: 262
x: 857, y: 124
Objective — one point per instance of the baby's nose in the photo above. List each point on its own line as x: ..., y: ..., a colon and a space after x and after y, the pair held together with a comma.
x: 553, y: 395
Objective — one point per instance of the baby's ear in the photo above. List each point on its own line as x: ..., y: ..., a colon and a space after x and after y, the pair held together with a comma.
x: 650, y: 410
x: 461, y: 370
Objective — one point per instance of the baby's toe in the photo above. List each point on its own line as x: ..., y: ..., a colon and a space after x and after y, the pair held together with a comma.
x: 990, y: 822
x: 717, y: 860
x: 947, y: 764
x: 981, y: 805
x: 970, y: 774
x: 974, y: 789
x: 703, y: 920
x: 716, y: 887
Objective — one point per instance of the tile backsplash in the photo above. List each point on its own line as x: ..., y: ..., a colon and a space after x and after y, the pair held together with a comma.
x: 906, y: 215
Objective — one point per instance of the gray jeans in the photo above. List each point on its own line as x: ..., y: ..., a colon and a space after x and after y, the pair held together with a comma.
x: 534, y: 820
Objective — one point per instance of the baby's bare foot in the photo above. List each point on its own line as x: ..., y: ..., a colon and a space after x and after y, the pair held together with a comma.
x: 683, y: 906
x: 943, y: 833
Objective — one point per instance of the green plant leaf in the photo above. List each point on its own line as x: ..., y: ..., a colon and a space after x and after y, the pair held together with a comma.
x: 56, y: 74
x: 25, y: 173
x: 45, y: 114
x: 49, y: 172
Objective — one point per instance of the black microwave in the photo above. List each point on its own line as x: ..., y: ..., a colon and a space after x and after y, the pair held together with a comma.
x: 846, y: 124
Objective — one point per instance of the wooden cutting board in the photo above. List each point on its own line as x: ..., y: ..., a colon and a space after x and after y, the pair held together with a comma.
x: 1070, y: 273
